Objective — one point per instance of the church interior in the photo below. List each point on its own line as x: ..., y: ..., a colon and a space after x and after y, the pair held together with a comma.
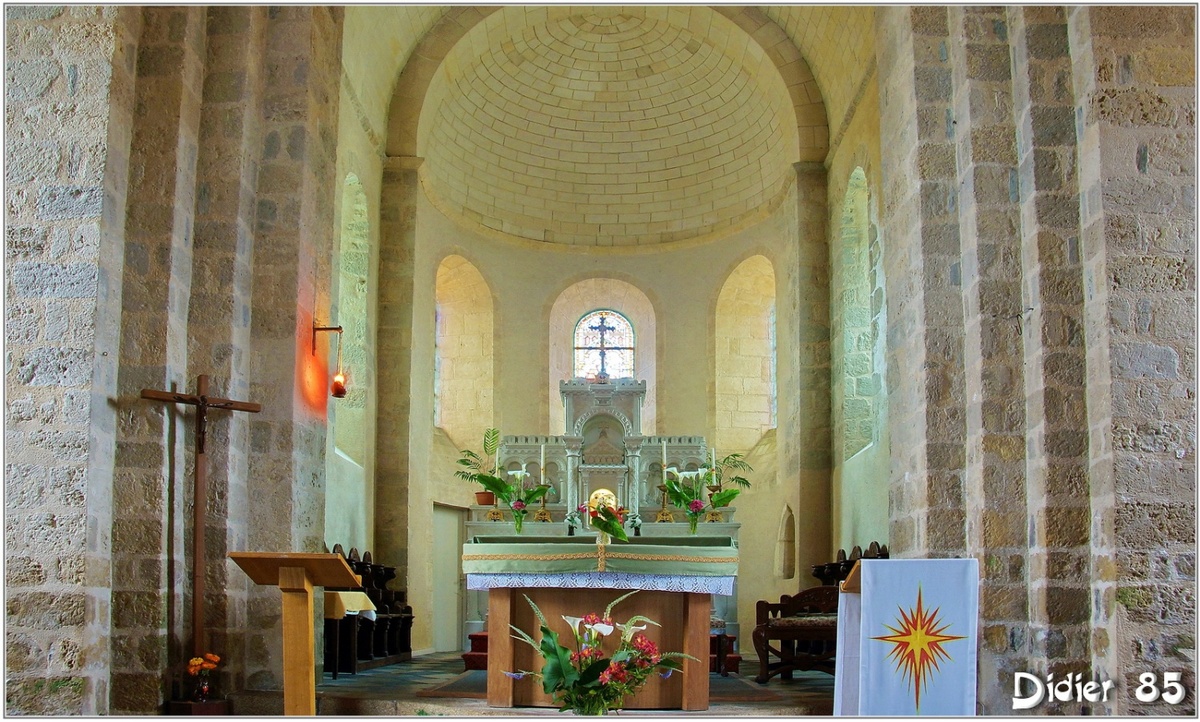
x: 929, y: 270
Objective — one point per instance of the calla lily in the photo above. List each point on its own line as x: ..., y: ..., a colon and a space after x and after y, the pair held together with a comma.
x: 673, y: 471
x: 628, y: 630
x: 520, y: 474
x: 574, y: 622
x: 602, y: 628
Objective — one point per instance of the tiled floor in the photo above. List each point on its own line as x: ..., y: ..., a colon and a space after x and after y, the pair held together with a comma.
x: 393, y: 691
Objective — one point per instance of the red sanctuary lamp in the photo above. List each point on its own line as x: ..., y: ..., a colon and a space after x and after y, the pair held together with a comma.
x: 338, y: 388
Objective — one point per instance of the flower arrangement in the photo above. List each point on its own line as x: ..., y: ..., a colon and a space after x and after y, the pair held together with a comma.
x: 575, y: 518
x: 519, y: 497
x: 200, y: 667
x: 607, y: 520
x: 686, y: 489
x: 584, y: 680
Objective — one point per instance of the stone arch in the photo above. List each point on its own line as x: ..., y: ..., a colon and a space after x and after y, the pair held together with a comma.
x: 569, y: 306
x: 745, y: 368
x: 463, y: 338
x: 585, y: 417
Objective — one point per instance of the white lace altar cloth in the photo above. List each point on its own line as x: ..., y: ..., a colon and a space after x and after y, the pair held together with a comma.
x: 606, y: 580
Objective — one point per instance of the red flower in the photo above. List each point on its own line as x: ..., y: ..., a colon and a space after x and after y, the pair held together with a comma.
x: 615, y: 672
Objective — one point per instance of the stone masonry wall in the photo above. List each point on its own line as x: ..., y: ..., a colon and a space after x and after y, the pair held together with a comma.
x: 68, y: 96
x: 1048, y: 238
x: 1139, y: 184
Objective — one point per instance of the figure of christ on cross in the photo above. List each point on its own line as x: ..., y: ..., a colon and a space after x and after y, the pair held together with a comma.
x: 203, y: 402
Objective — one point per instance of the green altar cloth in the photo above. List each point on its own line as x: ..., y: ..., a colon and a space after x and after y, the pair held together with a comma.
x: 690, y: 556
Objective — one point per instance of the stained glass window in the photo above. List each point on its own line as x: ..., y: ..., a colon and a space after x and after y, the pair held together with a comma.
x: 604, y: 346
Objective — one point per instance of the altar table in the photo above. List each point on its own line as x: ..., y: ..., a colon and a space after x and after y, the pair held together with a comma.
x: 567, y: 576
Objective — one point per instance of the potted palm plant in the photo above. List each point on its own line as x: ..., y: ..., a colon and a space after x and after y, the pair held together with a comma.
x: 481, y: 468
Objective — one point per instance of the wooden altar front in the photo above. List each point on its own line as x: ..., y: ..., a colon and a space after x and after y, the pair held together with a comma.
x: 684, y: 617
x: 675, y: 579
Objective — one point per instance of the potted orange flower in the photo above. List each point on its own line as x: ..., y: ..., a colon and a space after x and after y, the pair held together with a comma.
x: 200, y: 668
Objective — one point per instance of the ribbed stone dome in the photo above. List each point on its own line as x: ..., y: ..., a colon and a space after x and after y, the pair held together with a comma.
x: 607, y: 129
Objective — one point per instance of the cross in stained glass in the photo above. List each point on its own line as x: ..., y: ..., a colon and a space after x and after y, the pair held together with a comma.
x: 603, y: 344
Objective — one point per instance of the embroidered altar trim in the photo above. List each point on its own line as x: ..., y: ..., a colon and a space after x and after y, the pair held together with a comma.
x: 602, y: 556
x: 722, y: 586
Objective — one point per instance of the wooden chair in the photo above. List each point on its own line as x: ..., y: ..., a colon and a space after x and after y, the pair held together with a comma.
x: 803, y: 629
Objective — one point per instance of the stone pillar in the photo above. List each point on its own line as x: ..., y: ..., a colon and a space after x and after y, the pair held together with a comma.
x: 805, y: 421
x: 152, y: 483
x: 574, y: 446
x: 1135, y: 88
x: 925, y: 313
x: 1055, y: 349
x: 219, y: 313
x: 989, y: 222
x: 397, y: 236
x: 633, y: 465
x: 291, y: 281
x: 67, y: 184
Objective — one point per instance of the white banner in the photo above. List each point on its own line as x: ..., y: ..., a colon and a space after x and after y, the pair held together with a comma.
x: 917, y: 639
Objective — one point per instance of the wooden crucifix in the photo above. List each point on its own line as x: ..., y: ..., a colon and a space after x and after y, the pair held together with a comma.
x: 203, y: 402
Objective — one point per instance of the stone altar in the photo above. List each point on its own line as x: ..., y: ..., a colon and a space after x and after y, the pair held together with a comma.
x: 602, y: 447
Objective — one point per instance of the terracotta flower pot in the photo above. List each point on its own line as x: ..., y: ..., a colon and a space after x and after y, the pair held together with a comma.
x: 485, y: 498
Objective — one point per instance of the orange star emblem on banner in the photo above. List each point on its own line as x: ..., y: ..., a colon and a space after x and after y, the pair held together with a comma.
x: 917, y: 645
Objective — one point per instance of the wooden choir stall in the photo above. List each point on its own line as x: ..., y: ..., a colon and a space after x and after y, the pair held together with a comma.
x: 676, y: 578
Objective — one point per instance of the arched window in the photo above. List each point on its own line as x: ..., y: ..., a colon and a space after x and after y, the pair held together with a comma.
x: 604, y: 346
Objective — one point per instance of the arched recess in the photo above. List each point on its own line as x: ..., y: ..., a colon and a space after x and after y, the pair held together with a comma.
x: 785, y: 545
x: 462, y: 377
x: 745, y: 356
x: 569, y: 307
x: 349, y: 498
x: 855, y: 380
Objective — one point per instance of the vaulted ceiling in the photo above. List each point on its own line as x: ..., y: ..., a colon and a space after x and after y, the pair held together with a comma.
x: 606, y: 125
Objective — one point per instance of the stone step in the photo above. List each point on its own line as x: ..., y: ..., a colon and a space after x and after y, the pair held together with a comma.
x: 479, y: 641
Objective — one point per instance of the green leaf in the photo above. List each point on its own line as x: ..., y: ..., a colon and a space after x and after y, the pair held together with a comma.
x: 491, y: 441
x: 557, y: 671
x: 724, y: 497
x: 536, y: 493
x: 501, y: 489
x: 590, y: 676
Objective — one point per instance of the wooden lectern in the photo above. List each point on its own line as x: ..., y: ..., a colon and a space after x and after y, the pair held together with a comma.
x: 296, y: 574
